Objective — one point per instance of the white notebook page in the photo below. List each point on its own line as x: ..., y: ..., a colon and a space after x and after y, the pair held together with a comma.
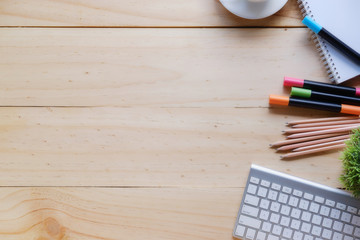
x: 341, y: 18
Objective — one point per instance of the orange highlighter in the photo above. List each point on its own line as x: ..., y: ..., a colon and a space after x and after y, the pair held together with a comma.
x: 306, y: 103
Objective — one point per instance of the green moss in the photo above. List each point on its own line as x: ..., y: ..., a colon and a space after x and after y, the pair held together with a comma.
x: 351, y: 164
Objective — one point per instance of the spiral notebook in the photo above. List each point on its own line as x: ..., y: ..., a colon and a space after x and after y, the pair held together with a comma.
x: 342, y: 18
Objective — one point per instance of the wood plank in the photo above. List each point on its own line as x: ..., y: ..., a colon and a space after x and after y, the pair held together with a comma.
x: 152, y: 67
x: 117, y: 213
x: 191, y: 147
x: 135, y: 13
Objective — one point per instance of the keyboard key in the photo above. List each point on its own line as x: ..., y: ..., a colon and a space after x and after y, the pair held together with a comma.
x: 326, y: 234
x: 308, y: 237
x: 316, y: 231
x: 252, y: 200
x: 351, y: 209
x: 327, y: 223
x: 308, y: 196
x: 316, y: 219
x: 298, y: 235
x: 337, y: 236
x: 272, y: 195
x: 274, y: 218
x: 295, y: 224
x: 304, y: 204
x: 341, y: 206
x: 249, y: 221
x: 251, y: 211
x: 285, y: 210
x: 272, y: 237
x: 356, y: 221
x: 295, y: 213
x: 240, y: 230
x: 293, y: 201
x: 261, y: 236
x: 297, y: 193
x: 348, y: 229
x: 306, y: 216
x: 264, y: 203
x: 266, y: 226
x: 314, y: 207
x: 250, y: 233
x: 277, y: 230
x: 265, y: 183
x: 306, y: 227
x: 324, y: 211
x: 252, y: 189
x: 283, y: 198
x: 335, y: 213
x: 286, y: 190
x: 285, y: 221
x: 357, y: 232
x: 319, y: 199
x: 330, y: 203
x: 262, y: 192
x: 264, y: 215
x: 338, y: 226
x: 288, y: 233
x: 275, y: 207
x: 254, y: 180
x: 345, y: 217
x: 276, y: 186
x: 348, y: 238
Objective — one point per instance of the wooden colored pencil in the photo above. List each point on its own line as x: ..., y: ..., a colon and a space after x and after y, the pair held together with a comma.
x: 322, y: 120
x: 299, y: 140
x: 309, y: 143
x: 327, y: 131
x: 310, y: 129
x: 331, y: 143
x: 305, y: 125
x: 316, y: 150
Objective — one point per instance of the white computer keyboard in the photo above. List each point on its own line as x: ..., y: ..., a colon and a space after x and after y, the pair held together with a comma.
x: 278, y: 206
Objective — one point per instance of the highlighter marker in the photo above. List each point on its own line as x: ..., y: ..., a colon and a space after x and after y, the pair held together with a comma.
x: 300, y: 102
x: 327, y: 97
x: 322, y: 87
x: 330, y: 38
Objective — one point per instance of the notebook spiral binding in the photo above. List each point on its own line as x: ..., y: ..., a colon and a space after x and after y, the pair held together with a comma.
x: 320, y: 45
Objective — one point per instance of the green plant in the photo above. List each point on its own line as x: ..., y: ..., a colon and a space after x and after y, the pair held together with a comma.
x: 351, y: 164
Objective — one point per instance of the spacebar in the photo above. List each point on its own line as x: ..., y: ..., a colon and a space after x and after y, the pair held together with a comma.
x: 250, y: 222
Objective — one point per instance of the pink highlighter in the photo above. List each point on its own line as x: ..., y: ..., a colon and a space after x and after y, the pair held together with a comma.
x: 322, y: 87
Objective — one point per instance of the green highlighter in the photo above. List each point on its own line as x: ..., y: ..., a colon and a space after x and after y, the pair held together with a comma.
x: 310, y: 94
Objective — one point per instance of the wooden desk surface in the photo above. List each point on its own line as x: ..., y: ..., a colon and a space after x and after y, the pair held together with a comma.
x: 140, y: 119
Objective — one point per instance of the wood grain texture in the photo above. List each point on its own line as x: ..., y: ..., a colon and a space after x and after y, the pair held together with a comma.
x: 135, y: 13
x: 113, y: 213
x: 167, y: 147
x: 152, y: 67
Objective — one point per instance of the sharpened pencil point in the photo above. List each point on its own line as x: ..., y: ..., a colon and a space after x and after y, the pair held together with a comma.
x: 281, y: 157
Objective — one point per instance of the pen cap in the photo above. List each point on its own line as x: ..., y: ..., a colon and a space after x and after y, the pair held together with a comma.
x: 278, y: 100
x: 310, y: 23
x: 300, y: 92
x: 350, y: 109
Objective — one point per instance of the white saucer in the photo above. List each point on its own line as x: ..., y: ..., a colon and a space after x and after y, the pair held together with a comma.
x: 253, y: 9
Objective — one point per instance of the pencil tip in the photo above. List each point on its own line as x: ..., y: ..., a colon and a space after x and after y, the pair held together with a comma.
x: 270, y: 145
x: 281, y: 157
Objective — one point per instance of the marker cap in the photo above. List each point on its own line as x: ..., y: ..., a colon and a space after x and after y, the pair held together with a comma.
x: 350, y: 109
x: 293, y: 82
x: 357, y: 92
x: 300, y: 92
x: 310, y: 23
x: 278, y: 100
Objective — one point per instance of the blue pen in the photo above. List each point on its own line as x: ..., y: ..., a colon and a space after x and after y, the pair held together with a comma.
x: 329, y: 37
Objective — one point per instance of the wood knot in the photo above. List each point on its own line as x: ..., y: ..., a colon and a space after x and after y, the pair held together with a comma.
x: 53, y: 229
